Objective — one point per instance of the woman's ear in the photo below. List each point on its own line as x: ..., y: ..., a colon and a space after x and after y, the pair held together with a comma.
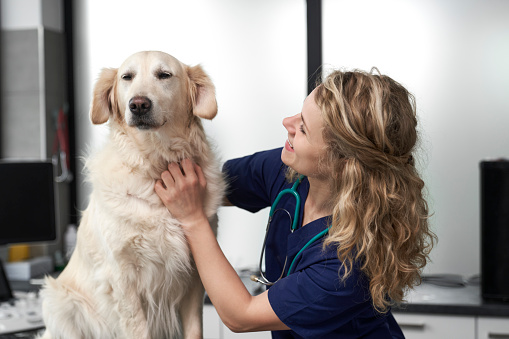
x: 103, y: 100
x: 202, y: 92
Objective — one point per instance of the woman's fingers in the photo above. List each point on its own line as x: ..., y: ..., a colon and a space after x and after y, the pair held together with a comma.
x: 201, y: 176
x: 182, y: 189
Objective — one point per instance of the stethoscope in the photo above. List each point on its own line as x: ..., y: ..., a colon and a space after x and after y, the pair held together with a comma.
x: 273, y: 209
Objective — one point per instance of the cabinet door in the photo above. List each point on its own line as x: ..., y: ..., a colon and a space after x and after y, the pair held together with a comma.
x: 212, y: 325
x: 425, y: 326
x: 492, y: 328
x: 227, y: 334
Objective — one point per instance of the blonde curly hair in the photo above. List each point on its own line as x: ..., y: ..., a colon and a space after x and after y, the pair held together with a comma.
x: 380, y: 216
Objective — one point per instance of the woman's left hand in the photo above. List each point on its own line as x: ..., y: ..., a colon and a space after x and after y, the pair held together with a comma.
x: 182, y: 191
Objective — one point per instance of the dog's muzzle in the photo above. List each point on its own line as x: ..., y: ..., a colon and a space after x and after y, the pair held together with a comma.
x: 141, y: 107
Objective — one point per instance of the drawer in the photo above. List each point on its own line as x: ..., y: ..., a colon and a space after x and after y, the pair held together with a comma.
x: 425, y: 326
x: 492, y: 328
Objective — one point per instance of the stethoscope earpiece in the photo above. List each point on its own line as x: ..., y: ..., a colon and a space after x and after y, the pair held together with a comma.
x: 262, y: 280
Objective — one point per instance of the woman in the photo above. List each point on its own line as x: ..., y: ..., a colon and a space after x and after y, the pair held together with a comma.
x: 361, y: 199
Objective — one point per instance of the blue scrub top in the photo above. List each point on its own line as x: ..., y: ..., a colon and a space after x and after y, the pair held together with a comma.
x: 313, y: 301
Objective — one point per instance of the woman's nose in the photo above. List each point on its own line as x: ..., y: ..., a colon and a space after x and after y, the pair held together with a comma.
x: 289, y: 123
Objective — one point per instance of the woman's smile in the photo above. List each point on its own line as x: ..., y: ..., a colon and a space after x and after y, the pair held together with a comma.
x: 288, y: 145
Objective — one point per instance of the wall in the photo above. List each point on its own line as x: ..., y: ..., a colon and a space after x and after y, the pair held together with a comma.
x: 254, y: 51
x: 453, y: 56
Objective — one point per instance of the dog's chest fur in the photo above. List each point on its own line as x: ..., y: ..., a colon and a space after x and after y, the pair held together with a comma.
x: 129, y: 214
x: 140, y: 236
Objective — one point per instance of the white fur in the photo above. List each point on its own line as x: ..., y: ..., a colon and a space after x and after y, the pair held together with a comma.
x: 131, y: 274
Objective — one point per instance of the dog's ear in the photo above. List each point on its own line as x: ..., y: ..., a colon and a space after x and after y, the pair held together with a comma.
x: 202, y: 92
x: 103, y: 100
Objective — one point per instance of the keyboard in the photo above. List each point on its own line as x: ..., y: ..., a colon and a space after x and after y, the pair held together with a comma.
x: 22, y: 314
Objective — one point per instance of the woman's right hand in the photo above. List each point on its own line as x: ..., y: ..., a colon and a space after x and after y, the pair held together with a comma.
x: 182, y: 190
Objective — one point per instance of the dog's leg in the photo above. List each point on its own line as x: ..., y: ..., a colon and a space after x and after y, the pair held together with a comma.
x: 132, y: 317
x: 191, y: 311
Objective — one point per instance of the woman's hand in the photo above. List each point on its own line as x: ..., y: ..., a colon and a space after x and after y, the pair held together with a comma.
x: 182, y: 191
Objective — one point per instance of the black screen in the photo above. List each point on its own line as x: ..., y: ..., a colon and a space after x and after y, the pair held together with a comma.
x: 495, y: 229
x: 27, y: 202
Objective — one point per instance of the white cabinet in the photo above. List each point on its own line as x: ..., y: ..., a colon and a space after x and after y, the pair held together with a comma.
x: 492, y: 328
x: 251, y: 335
x: 413, y: 325
x: 213, y: 327
x: 425, y: 326
x: 417, y: 326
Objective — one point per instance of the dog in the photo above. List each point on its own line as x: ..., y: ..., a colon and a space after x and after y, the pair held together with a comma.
x: 131, y: 274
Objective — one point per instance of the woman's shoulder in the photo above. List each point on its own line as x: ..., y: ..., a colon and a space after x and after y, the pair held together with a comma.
x: 254, y: 179
x: 264, y: 166
x: 263, y: 159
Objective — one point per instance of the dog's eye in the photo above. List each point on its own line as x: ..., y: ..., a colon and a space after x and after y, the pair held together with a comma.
x: 164, y: 75
x: 127, y: 77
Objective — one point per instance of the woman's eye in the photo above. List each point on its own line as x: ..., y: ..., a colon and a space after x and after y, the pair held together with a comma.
x: 302, y: 129
x: 164, y: 75
x: 127, y: 77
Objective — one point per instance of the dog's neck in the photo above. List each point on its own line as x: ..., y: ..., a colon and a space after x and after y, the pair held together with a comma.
x: 156, y: 149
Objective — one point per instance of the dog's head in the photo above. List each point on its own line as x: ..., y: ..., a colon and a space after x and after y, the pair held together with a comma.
x: 151, y: 90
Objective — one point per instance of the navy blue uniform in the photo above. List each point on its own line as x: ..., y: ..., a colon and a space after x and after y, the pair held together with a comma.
x: 313, y: 301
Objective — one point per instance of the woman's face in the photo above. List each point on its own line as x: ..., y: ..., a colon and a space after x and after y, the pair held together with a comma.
x: 305, y: 145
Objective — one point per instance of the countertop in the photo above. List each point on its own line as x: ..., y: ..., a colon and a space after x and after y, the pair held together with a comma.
x: 458, y: 300
x: 429, y: 298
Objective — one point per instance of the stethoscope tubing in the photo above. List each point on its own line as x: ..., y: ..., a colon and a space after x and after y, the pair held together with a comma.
x: 312, y: 240
x: 292, y: 191
x: 295, y: 222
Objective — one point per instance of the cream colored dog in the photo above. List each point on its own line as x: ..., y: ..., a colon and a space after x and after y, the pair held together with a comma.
x: 131, y: 274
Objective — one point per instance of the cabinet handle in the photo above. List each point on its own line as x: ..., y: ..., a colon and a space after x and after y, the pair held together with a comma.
x: 498, y: 335
x: 414, y: 326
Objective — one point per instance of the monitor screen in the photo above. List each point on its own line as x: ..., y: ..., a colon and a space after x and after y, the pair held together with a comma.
x: 27, y: 202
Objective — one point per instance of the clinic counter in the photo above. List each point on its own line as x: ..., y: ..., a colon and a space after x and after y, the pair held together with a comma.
x: 458, y: 300
x: 428, y: 298
x: 425, y: 298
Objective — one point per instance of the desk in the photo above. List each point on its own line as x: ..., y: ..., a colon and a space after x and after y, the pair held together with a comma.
x: 23, y: 314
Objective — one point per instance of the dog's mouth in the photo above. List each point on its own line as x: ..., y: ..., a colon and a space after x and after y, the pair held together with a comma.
x: 146, y: 124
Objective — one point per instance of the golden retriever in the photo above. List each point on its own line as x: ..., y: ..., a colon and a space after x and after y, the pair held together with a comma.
x: 131, y: 274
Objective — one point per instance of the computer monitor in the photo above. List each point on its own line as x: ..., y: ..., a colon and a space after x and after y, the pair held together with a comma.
x: 494, y: 229
x: 27, y: 207
x: 27, y: 202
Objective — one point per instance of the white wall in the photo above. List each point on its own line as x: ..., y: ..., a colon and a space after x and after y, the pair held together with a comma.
x: 254, y: 51
x: 453, y: 55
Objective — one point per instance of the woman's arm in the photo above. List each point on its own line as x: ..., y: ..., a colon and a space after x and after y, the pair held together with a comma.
x: 182, y: 191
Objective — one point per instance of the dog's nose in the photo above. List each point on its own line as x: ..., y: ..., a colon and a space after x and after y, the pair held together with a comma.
x: 140, y: 105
